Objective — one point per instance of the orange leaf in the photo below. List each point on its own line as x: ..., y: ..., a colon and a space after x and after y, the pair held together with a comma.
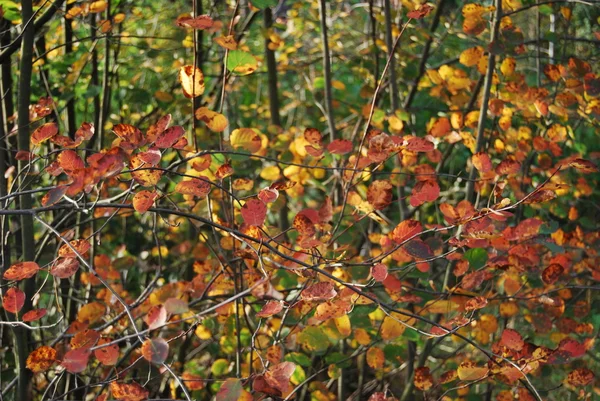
x: 216, y: 122
x: 21, y: 271
x: 41, y: 359
x: 423, y: 11
x: 468, y: 371
x: 143, y: 200
x: 199, y: 187
x: 108, y: 355
x: 482, y: 162
x: 423, y: 379
x: 128, y: 392
x: 406, y: 230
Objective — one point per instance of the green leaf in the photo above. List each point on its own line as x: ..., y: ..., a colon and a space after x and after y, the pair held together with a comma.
x: 549, y: 227
x: 477, y: 257
x: 264, y: 3
x: 298, y: 359
x: 313, y: 339
x: 241, y: 63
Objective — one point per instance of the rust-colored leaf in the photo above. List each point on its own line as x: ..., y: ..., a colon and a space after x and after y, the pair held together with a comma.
x: 322, y: 291
x: 580, y: 377
x: 43, y: 133
x: 54, y: 195
x: 340, y: 147
x: 585, y: 166
x: 379, y: 194
x: 200, y: 22
x: 422, y: 12
x: 156, y: 317
x: 271, y: 308
x: 91, y: 313
x: 424, y: 191
x: 279, y: 376
x: 482, y: 162
x: 379, y: 272
x: 169, y: 137
x: 552, y: 273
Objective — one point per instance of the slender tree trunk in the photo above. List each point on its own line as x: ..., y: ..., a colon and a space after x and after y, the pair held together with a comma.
x: 27, y: 240
x: 71, y: 123
x: 327, y: 72
x: 487, y: 85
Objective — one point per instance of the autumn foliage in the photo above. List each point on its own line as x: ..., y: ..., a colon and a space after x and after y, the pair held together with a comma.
x: 422, y: 224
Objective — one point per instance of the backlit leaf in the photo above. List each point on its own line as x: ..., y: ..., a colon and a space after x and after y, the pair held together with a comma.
x: 192, y: 81
x: 199, y: 187
x: 144, y: 200
x: 155, y: 350
x: 241, y: 63
x: 469, y: 371
x: 13, y: 300
x: 34, y: 314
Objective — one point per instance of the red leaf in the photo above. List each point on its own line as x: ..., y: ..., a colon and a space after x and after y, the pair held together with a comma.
x: 424, y: 191
x: 572, y: 347
x: 512, y: 340
x: 271, y: 308
x: 313, y: 136
x: 21, y: 271
x: 33, y: 315
x: 508, y: 166
x: 268, y: 195
x: 13, y: 300
x: 379, y: 272
x: 155, y: 350
x: 151, y: 157
x: 580, y: 377
x: 254, y: 212
x: 169, y: 137
x: 406, y: 230
x: 319, y: 292
x: 423, y: 11
x: 76, y: 360
x: 304, y: 225
x: 69, y: 161
x: 43, y: 133
x: 340, y: 147
x: 64, y: 267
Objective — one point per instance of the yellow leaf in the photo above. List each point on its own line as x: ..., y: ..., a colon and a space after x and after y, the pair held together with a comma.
x: 192, y: 81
